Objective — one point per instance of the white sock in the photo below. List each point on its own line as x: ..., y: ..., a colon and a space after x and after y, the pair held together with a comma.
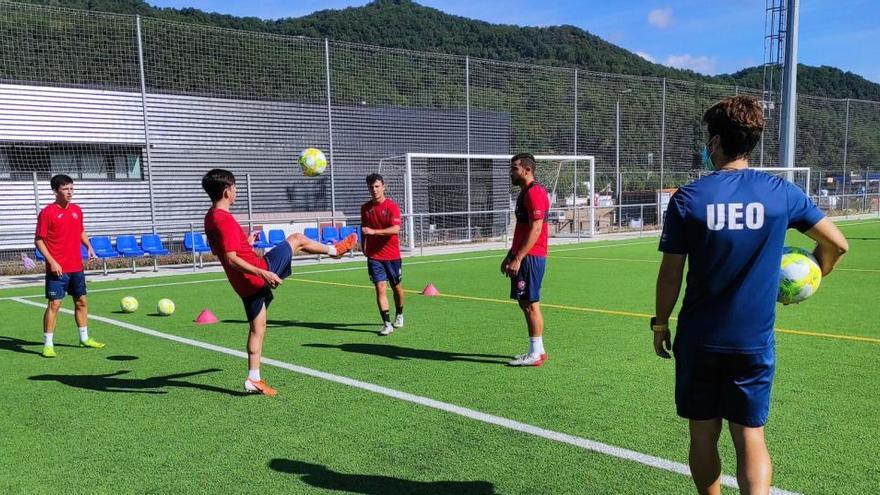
x: 331, y: 250
x: 254, y: 375
x: 536, y: 346
x: 83, y: 334
x: 47, y: 339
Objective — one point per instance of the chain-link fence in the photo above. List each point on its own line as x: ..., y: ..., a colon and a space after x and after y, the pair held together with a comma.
x: 137, y: 109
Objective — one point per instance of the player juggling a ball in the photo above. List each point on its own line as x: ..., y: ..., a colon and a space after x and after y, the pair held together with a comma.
x: 729, y: 227
x: 253, y: 277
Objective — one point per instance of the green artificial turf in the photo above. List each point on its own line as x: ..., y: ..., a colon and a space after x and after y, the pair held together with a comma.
x: 148, y: 415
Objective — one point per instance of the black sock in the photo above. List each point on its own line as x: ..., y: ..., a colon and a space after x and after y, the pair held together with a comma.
x: 399, y: 310
x: 385, y: 317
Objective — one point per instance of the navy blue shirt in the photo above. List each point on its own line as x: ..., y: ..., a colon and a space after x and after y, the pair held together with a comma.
x: 732, y: 225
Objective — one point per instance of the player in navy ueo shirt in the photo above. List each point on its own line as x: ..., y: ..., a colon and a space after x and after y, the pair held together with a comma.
x: 730, y: 227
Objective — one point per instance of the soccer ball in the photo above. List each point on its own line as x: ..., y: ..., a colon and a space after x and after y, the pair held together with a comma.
x: 312, y: 161
x: 128, y: 304
x: 800, y: 276
x: 165, y: 307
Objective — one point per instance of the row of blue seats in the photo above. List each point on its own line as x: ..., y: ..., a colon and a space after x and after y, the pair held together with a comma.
x: 151, y: 244
x: 126, y: 246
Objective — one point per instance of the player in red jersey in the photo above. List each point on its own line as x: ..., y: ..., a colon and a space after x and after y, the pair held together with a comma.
x: 59, y: 234
x: 380, y: 224
x: 253, y: 277
x: 527, y: 258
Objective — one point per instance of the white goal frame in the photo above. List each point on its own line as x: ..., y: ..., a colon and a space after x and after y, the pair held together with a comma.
x: 408, y: 187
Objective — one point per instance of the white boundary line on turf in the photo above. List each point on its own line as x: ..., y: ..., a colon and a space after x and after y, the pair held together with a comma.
x: 329, y: 270
x: 583, y: 443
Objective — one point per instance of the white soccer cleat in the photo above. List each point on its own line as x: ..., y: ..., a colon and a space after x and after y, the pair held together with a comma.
x: 528, y: 360
x: 387, y: 329
x: 398, y: 322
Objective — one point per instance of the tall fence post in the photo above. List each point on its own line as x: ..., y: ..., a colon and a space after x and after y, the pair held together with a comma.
x: 36, y: 195
x: 147, y: 145
x: 662, y: 154
x: 250, y: 202
x: 467, y: 98
x: 410, y: 221
x: 845, y: 145
x: 592, y: 198
x: 330, y: 133
x: 574, y: 189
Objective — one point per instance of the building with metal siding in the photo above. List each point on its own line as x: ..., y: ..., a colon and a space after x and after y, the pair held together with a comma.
x: 191, y: 134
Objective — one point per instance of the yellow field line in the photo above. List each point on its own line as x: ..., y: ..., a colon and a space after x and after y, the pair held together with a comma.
x: 594, y: 310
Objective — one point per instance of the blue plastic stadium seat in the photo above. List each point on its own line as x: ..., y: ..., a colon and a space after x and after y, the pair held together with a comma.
x: 276, y: 237
x: 329, y: 235
x: 38, y: 255
x: 102, y: 246
x: 127, y: 246
x: 83, y: 252
x: 152, y: 245
x: 311, y: 233
x: 349, y: 229
x: 199, y: 246
x: 260, y: 241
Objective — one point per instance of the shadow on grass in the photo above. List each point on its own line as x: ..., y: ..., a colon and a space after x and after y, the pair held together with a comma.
x: 110, y: 383
x: 18, y: 345
x: 122, y: 358
x: 397, y: 352
x: 315, y: 325
x: 320, y: 476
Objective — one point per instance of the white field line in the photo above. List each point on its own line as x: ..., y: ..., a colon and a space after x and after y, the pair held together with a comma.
x: 329, y: 270
x: 583, y: 443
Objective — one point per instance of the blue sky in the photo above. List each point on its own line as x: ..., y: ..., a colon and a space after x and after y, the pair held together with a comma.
x: 711, y: 37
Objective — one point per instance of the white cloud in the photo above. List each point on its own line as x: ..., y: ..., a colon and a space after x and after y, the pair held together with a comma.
x: 661, y: 18
x: 647, y: 56
x: 701, y: 64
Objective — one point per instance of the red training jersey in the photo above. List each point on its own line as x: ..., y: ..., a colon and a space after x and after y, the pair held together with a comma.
x: 225, y: 235
x: 61, y: 229
x: 531, y: 204
x: 381, y: 216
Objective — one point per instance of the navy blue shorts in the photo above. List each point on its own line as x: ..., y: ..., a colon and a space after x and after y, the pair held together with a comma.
x: 278, y: 260
x: 68, y: 283
x: 526, y: 285
x: 735, y: 387
x: 385, y: 271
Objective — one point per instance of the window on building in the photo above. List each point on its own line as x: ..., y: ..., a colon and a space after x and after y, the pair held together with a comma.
x: 19, y: 161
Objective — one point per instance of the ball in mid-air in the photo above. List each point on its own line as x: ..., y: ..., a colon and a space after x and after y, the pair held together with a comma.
x: 128, y: 304
x: 799, y: 277
x: 312, y: 161
x: 165, y: 307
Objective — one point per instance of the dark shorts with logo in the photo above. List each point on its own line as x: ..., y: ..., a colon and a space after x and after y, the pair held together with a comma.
x: 526, y: 285
x: 278, y: 260
x: 68, y: 283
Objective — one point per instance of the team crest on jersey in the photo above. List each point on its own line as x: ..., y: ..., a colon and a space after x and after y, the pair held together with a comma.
x: 75, y: 216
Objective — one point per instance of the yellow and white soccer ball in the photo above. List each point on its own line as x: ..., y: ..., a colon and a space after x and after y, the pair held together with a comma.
x: 165, y: 307
x: 800, y: 276
x: 312, y: 161
x: 128, y: 304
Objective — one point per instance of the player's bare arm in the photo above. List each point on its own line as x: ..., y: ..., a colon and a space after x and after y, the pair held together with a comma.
x: 831, y: 245
x: 668, y: 288
x: 243, y: 266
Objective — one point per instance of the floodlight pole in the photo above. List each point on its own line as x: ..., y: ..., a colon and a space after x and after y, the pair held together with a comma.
x: 789, y: 88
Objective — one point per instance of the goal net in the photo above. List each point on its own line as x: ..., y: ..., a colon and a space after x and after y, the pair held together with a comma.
x: 453, y: 198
